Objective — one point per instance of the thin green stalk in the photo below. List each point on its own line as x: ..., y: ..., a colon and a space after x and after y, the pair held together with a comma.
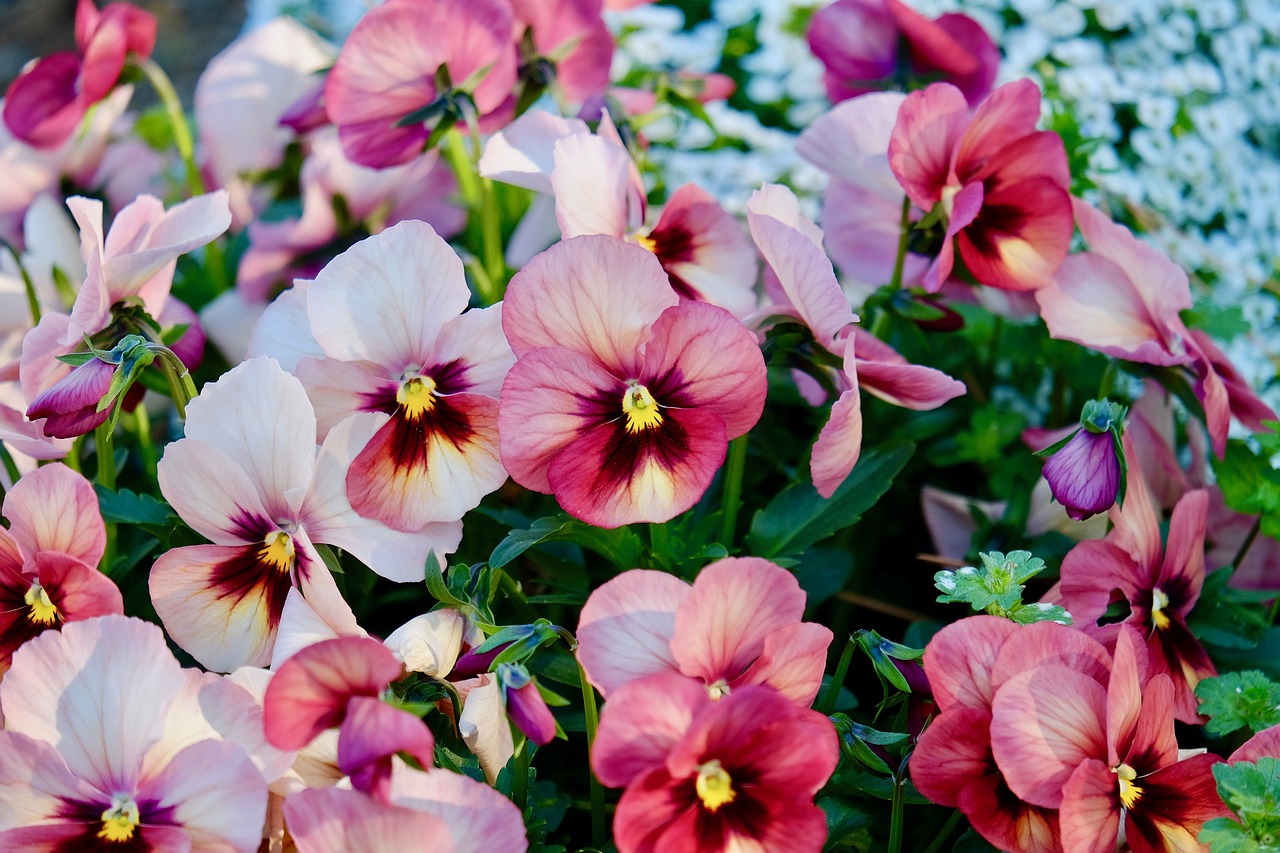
x: 520, y: 776
x: 182, y: 140
x: 10, y: 467
x: 477, y: 195
x: 495, y: 266
x: 1247, y: 544
x: 181, y: 388
x: 598, y: 822
x: 658, y: 543
x: 899, y: 806
x: 904, y: 233
x: 734, y: 467
x: 942, y: 834
x: 1108, y: 383
x: 106, y: 477
x: 73, y: 456
x: 828, y: 702
x: 33, y: 301
x: 146, y: 447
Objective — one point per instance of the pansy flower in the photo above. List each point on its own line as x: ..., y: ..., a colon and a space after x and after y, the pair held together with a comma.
x: 623, y: 399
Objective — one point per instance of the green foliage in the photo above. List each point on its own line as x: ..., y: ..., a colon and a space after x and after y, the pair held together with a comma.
x: 1249, y: 484
x: 1239, y: 700
x: 996, y: 588
x: 1229, y: 617
x: 1252, y: 791
x: 622, y: 546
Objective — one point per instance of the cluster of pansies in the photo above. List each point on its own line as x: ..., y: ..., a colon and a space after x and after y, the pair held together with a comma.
x: 354, y: 444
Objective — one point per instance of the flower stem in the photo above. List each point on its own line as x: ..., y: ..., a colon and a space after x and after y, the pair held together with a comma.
x: 828, y: 702
x: 946, y: 830
x: 33, y: 301
x: 490, y: 218
x: 1247, y: 544
x: 477, y: 194
x: 146, y: 447
x: 733, y: 471
x: 899, y: 805
x: 106, y: 477
x: 520, y: 775
x: 181, y: 388
x: 904, y: 232
x: 10, y: 467
x: 182, y: 140
x: 598, y: 827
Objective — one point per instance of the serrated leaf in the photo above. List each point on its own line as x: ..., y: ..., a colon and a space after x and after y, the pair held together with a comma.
x: 1251, y: 790
x: 1040, y: 611
x: 622, y: 546
x: 1239, y: 700
x: 799, y: 517
x: 1223, y: 835
x: 996, y: 586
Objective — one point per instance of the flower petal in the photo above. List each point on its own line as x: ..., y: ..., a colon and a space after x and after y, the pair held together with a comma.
x: 593, y: 186
x: 641, y: 725
x: 336, y: 820
x: 626, y: 628
x: 928, y: 131
x: 523, y: 153
x: 1090, y: 813
x: 960, y: 658
x: 483, y: 725
x: 705, y: 252
x: 55, y: 509
x: 480, y: 819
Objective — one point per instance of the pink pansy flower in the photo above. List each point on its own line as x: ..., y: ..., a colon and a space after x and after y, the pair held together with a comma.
x: 435, y: 810
x: 860, y: 43
x: 738, y: 624
x: 1102, y: 752
x: 393, y: 65
x: 48, y: 100
x: 49, y: 557
x: 1001, y: 184
x: 1160, y: 584
x: 387, y: 314
x: 597, y: 190
x: 624, y: 399
x: 792, y: 249
x: 240, y: 99
x: 572, y: 47
x: 338, y: 684
x: 862, y: 207
x: 738, y: 773
x: 89, y: 757
x: 248, y: 477
x: 1264, y: 743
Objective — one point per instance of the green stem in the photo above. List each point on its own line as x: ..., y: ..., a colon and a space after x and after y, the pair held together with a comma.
x: 181, y: 388
x: 734, y: 467
x: 828, y: 702
x: 1108, y: 383
x: 942, y: 834
x: 1247, y: 544
x: 520, y: 776
x: 477, y: 195
x: 33, y: 301
x: 658, y: 544
x: 495, y: 266
x: 598, y: 822
x: 106, y: 477
x: 10, y: 467
x: 72, y: 459
x: 899, y: 806
x: 146, y: 447
x: 903, y: 234
x: 182, y: 140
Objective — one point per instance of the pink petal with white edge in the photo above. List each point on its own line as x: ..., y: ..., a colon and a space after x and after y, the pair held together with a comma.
x: 65, y: 688
x: 284, y: 331
x: 705, y: 251
x: 34, y: 783
x: 328, y: 517
x: 735, y: 604
x: 839, y: 445
x: 851, y: 142
x: 523, y: 153
x: 959, y: 660
x: 212, y: 493
x: 483, y: 724
x: 641, y: 725
x: 609, y: 477
x: 335, y: 820
x: 701, y: 356
x: 924, y: 140
x: 217, y: 796
x: 429, y: 643
x: 884, y: 373
x: 803, y: 270
x: 55, y: 509
x: 434, y: 469
x: 260, y: 417
x: 596, y: 295
x: 626, y: 628
x: 550, y: 398
x: 1043, y: 724
x: 386, y: 298
x: 792, y: 662
x: 480, y: 819
x: 475, y: 339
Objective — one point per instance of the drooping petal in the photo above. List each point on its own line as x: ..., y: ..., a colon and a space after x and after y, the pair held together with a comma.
x: 335, y: 820
x: 839, y: 445
x: 626, y: 628
x: 55, y: 509
x: 483, y: 724
x: 573, y: 296
x: 523, y: 153
x: 642, y: 722
x: 372, y: 733
x: 884, y: 373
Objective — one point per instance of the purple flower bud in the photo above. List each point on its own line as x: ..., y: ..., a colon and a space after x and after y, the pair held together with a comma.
x: 1085, y: 474
x: 473, y: 663
x: 525, y: 705
x: 70, y: 404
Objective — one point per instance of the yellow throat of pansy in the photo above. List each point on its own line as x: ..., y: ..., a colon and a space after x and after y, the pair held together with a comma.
x: 417, y: 397
x: 43, y: 611
x: 714, y: 786
x: 278, y: 551
x: 119, y: 820
x: 640, y: 409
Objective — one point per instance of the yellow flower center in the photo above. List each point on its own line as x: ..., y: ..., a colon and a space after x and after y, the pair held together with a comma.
x: 718, y: 689
x: 43, y: 611
x: 646, y: 242
x: 641, y: 409
x: 714, y: 786
x: 277, y: 551
x: 119, y: 820
x: 417, y: 396
x: 1159, y: 601
x: 1129, y: 792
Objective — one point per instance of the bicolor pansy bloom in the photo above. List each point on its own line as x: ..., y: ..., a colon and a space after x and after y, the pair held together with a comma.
x: 623, y: 399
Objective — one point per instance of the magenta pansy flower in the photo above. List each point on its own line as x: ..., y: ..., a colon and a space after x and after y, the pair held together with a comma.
x: 49, y: 557
x: 108, y: 742
x: 47, y: 102
x: 248, y: 477
x: 387, y: 316
x: 1001, y: 183
x: 866, y: 44
x: 735, y: 773
x: 393, y: 63
x: 571, y: 38
x: 623, y: 399
x: 738, y: 624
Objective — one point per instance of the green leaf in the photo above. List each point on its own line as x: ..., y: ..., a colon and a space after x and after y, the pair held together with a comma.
x: 436, y: 584
x: 996, y: 587
x: 622, y: 546
x: 1228, y: 617
x: 1025, y: 614
x: 822, y: 573
x: 1224, y: 835
x: 126, y: 507
x: 799, y: 517
x: 1239, y: 700
x: 1252, y: 791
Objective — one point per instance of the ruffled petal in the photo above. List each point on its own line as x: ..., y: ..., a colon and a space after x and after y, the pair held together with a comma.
x: 626, y: 628
x: 641, y: 725
x: 55, y: 509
